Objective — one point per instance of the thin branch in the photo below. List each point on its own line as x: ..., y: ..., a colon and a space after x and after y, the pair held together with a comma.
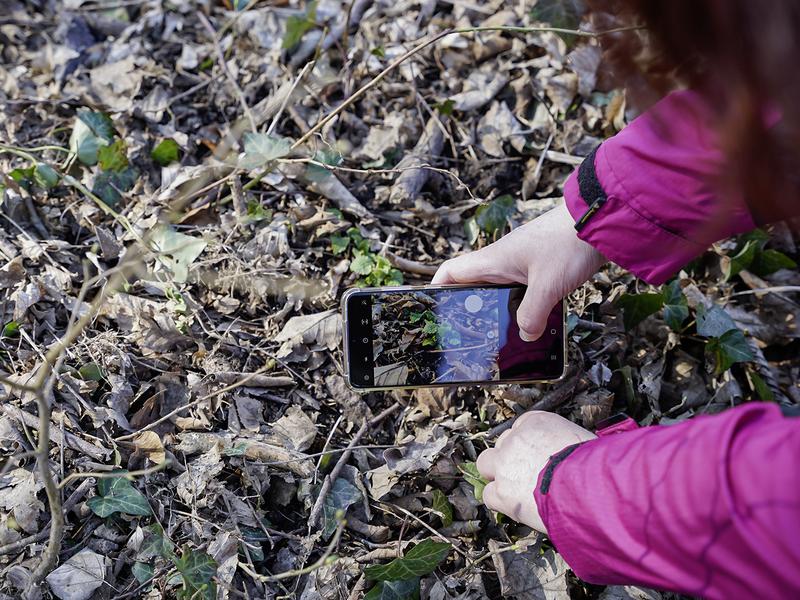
x: 129, y: 475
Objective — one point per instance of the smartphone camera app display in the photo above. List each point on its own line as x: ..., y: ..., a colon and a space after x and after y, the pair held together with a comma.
x: 441, y: 336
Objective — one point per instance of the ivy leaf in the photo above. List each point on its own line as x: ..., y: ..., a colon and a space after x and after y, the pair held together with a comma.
x: 362, y: 264
x: 490, y: 218
x: 99, y: 123
x: 110, y: 185
x: 420, y: 560
x: 339, y: 243
x: 741, y: 261
x: 728, y: 349
x: 405, y: 589
x: 341, y: 496
x: 113, y: 157
x: 260, y: 148
x: 142, y: 572
x: 117, y: 494
x: 155, y: 544
x: 296, y: 27
x: 676, y: 308
x: 768, y: 261
x: 166, y: 153
x: 473, y: 477
x: 713, y: 322
x: 91, y: 371
x: 197, y: 570
x: 46, y: 176
x: 176, y: 251
x: 442, y: 508
x: 10, y: 330
x: 23, y: 176
x: 327, y: 157
x: 91, y: 131
x: 637, y: 307
x: 760, y: 387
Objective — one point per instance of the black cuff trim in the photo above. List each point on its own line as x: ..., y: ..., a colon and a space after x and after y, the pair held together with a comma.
x: 588, y: 183
x: 554, y: 461
x: 591, y: 190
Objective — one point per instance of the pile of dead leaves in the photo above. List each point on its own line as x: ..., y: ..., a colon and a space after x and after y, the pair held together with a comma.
x: 152, y: 178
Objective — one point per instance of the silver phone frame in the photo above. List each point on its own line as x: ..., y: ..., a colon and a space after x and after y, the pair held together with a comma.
x: 411, y: 288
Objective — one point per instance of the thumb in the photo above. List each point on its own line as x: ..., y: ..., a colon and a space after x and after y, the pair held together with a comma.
x: 534, y: 310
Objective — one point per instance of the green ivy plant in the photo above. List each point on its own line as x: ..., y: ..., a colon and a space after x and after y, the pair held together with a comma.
x: 491, y: 219
x: 399, y: 579
x: 725, y: 342
x: 374, y: 270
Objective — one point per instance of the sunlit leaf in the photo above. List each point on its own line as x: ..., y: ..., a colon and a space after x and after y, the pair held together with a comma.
x: 113, y: 157
x: 420, y: 560
x: 10, y: 330
x: 362, y: 264
x: 473, y: 477
x: 260, y: 148
x: 167, y: 152
x: 176, y: 251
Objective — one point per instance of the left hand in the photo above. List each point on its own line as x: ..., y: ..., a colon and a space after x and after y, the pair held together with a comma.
x: 519, y: 455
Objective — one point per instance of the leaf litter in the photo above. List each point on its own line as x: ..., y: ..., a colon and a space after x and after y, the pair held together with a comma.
x: 204, y: 401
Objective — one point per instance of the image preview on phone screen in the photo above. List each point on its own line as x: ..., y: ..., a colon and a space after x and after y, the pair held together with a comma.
x: 450, y: 335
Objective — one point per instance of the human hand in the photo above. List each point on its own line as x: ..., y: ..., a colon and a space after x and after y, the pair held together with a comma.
x: 546, y: 254
x: 512, y: 467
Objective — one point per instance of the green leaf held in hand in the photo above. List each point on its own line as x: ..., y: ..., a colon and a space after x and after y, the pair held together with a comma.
x: 420, y: 560
x: 473, y: 477
x: 260, y: 148
x: 117, y: 495
x: 405, y: 589
x: 166, y: 153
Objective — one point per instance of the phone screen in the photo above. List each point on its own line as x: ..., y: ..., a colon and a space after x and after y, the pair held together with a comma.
x: 448, y: 335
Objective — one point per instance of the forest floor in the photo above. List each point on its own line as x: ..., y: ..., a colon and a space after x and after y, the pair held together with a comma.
x: 188, y: 188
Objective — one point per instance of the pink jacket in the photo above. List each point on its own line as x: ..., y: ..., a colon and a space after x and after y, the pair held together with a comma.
x: 710, y: 507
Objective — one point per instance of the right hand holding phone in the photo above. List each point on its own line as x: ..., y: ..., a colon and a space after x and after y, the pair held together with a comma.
x: 544, y: 254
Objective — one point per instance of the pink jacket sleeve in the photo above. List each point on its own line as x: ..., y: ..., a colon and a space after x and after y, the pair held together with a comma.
x: 649, y: 193
x: 709, y: 507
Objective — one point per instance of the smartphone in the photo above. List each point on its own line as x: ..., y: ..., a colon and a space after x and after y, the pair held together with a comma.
x: 411, y: 337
